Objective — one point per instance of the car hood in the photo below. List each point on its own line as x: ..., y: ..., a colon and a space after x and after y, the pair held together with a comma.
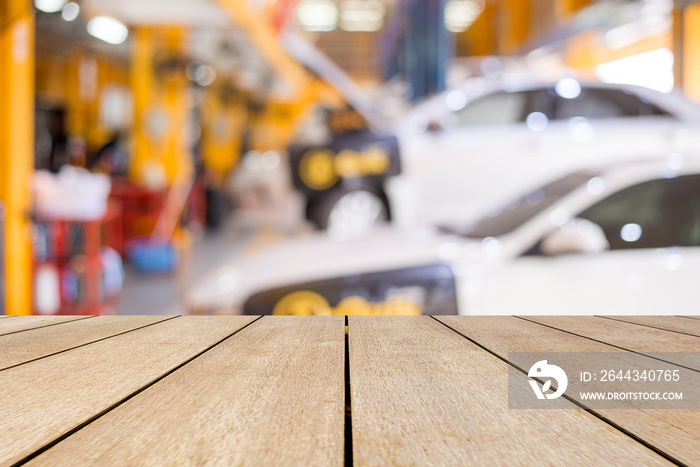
x: 317, y: 256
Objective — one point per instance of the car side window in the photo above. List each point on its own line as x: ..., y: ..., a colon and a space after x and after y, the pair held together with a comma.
x: 499, y: 108
x: 604, y: 103
x: 542, y: 101
x: 656, y: 214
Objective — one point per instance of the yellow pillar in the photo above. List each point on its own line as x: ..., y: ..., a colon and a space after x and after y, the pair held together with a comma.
x: 564, y: 8
x: 514, y: 26
x: 161, y: 103
x: 677, y: 44
x: 17, y: 148
x: 480, y: 38
x: 689, y: 61
x: 223, y: 126
x: 76, y: 94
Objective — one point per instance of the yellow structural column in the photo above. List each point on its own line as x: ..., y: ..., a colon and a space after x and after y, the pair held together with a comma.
x: 17, y: 148
x: 514, y: 27
x: 223, y: 125
x: 564, y: 8
x: 687, y: 50
x: 161, y: 105
x: 480, y: 38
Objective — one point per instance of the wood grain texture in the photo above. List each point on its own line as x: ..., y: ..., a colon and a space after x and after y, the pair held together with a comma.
x: 422, y: 395
x: 629, y: 336
x: 672, y: 431
x: 273, y: 394
x: 668, y: 323
x: 35, y: 343
x: 44, y: 399
x: 22, y: 323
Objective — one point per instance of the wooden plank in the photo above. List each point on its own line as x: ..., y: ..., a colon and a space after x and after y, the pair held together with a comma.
x: 672, y: 431
x: 422, y: 394
x: 53, y: 339
x: 22, y: 323
x: 668, y: 323
x: 43, y: 400
x: 628, y: 336
x: 271, y: 395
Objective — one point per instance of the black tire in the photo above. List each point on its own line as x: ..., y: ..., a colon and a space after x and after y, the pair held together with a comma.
x: 216, y: 208
x: 319, y: 210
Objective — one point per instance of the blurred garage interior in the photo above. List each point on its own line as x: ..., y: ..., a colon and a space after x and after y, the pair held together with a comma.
x: 146, y: 146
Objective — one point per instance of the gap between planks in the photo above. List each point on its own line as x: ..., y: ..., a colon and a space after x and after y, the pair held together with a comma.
x: 63, y: 421
x: 618, y: 426
x: 640, y: 321
x: 26, y: 323
x: 274, y: 393
x: 627, y: 349
x: 348, y: 455
x: 4, y: 338
x: 420, y: 389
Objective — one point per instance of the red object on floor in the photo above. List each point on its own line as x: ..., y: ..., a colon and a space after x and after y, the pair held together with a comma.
x: 68, y: 270
x: 141, y: 208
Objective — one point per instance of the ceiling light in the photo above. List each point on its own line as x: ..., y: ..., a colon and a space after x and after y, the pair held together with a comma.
x: 653, y: 69
x: 70, y: 11
x: 49, y: 6
x: 460, y: 14
x: 362, y: 15
x: 107, y: 29
x: 317, y: 15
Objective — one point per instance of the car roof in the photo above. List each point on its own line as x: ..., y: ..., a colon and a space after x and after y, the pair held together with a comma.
x: 676, y: 103
x: 635, y: 171
x: 679, y: 163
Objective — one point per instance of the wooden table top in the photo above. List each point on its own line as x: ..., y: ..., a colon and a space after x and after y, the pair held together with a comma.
x: 245, y: 390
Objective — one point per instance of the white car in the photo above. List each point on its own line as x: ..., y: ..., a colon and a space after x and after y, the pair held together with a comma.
x: 478, y: 145
x: 624, y: 239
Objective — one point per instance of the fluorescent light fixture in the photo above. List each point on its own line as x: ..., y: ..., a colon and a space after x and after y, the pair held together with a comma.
x: 107, y: 29
x: 49, y: 6
x: 460, y: 14
x: 71, y: 11
x: 362, y: 15
x: 317, y: 15
x: 653, y: 69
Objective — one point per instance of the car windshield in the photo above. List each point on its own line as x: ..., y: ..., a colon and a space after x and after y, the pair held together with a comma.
x: 512, y: 215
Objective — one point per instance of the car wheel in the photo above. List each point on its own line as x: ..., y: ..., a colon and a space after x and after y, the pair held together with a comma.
x: 351, y: 213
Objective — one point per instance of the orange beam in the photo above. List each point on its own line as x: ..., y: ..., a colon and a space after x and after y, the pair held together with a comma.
x: 264, y: 38
x: 278, y: 13
x: 515, y: 23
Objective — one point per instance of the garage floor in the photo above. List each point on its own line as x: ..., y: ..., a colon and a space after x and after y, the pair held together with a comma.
x: 248, y: 228
x: 153, y: 294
